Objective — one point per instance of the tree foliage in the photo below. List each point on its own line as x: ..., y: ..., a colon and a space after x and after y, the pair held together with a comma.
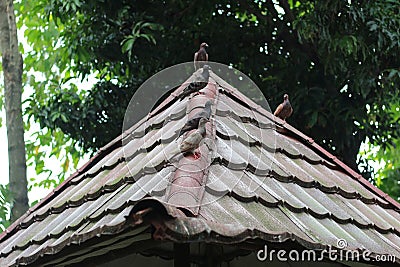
x: 387, y: 178
x: 333, y: 57
x: 5, y: 209
x: 48, y: 71
x: 387, y: 174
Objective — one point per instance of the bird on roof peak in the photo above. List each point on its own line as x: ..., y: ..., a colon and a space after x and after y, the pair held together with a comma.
x: 200, y: 80
x: 206, y: 67
x: 284, y: 110
x: 201, y: 56
x: 193, y: 140
x: 193, y: 123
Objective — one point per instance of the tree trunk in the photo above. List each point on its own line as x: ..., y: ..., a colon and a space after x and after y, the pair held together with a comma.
x: 12, y: 68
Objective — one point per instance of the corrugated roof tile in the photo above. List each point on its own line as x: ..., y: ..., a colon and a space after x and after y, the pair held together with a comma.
x: 258, y: 179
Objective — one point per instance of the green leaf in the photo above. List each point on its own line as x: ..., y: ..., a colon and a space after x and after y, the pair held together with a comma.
x: 313, y: 119
x: 127, y: 44
x: 64, y: 118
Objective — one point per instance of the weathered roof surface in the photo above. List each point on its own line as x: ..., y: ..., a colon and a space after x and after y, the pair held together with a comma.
x: 258, y: 180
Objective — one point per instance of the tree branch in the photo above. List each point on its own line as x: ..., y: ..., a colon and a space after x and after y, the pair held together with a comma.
x: 255, y: 10
x: 271, y: 8
x: 288, y: 12
x: 179, y: 14
x: 4, y: 30
x: 287, y: 36
x: 12, y: 26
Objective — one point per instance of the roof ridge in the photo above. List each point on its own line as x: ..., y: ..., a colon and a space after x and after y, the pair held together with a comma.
x: 190, y: 177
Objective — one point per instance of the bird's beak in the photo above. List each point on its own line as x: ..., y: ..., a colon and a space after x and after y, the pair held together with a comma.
x: 207, y: 45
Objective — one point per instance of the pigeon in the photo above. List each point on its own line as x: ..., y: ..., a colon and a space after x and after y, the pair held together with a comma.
x: 192, y: 141
x: 200, y: 81
x: 201, y: 56
x: 284, y: 110
x: 193, y: 123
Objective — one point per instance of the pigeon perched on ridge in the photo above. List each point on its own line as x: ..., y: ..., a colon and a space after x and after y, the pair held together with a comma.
x: 193, y: 123
x: 200, y: 81
x: 284, y: 110
x: 193, y: 140
x: 201, y: 56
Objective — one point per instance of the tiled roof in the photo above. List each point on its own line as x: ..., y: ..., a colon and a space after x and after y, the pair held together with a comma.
x: 258, y: 180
